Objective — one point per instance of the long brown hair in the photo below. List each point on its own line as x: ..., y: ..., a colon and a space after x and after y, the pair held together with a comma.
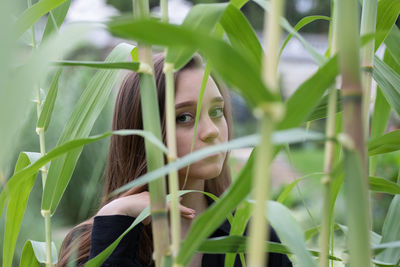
x: 127, y: 161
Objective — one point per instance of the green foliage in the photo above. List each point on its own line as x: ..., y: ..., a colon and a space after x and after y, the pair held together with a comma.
x: 238, y: 60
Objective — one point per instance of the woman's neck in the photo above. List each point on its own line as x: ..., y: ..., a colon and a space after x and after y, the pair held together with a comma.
x: 196, y: 201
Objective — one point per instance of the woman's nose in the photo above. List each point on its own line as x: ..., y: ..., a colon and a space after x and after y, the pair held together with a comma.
x: 207, y: 130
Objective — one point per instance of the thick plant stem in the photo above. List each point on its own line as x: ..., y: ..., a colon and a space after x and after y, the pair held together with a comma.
x: 368, y: 26
x: 47, y: 221
x: 173, y: 182
x: 324, y: 240
x: 261, y: 185
x: 154, y: 157
x: 355, y: 166
x: 268, y: 117
x: 43, y: 169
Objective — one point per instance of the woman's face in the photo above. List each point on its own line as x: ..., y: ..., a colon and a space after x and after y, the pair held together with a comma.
x: 212, y: 127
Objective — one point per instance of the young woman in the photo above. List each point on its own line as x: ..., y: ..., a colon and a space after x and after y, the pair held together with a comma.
x: 127, y: 161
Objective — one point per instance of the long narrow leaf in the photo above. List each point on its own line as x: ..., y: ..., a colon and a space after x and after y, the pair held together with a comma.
x: 279, y: 138
x: 210, y: 219
x: 392, y: 42
x: 318, y: 58
x: 241, y: 34
x: 233, y: 67
x: 389, y: 82
x: 59, y: 15
x: 134, y: 66
x: 379, y: 184
x: 79, y: 125
x: 390, y: 232
x: 202, y: 17
x: 289, y: 232
x: 34, y: 13
x: 34, y: 253
x: 48, y: 106
x: 303, y: 22
x: 309, y: 92
x: 388, y: 11
x: 384, y: 144
x: 17, y: 206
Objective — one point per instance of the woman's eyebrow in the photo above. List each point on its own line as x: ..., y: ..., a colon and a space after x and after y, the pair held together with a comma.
x: 194, y: 103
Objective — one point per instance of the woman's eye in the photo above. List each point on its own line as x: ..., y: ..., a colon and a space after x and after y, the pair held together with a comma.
x: 183, y: 118
x: 217, y: 112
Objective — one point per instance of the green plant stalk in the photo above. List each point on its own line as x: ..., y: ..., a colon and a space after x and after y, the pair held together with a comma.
x: 262, y: 179
x: 154, y: 157
x: 173, y: 182
x: 43, y: 169
x: 355, y: 167
x: 368, y: 26
x: 261, y: 188
x: 324, y: 240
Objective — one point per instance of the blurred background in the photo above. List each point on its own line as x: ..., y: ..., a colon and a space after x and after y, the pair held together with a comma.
x: 81, y: 198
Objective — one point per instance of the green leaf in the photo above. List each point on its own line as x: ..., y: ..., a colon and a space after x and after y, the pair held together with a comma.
x: 280, y: 137
x: 210, y: 219
x: 18, y: 199
x: 392, y: 42
x: 318, y: 58
x: 133, y: 66
x: 34, y: 253
x: 34, y: 13
x: 379, y: 184
x: 320, y: 111
x: 384, y: 144
x: 388, y: 11
x: 238, y: 3
x: 238, y: 226
x: 236, y: 244
x: 79, y: 125
x: 241, y: 34
x: 48, y: 106
x: 380, y: 116
x: 219, y: 245
x: 389, y: 82
x: 21, y: 82
x: 202, y: 17
x: 22, y: 176
x: 309, y: 92
x: 303, y: 22
x: 231, y: 65
x: 289, y: 232
x: 59, y: 15
x: 390, y: 232
x: 285, y: 193
x: 28, y: 258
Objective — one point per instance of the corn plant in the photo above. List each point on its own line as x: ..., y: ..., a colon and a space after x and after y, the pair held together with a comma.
x: 250, y: 69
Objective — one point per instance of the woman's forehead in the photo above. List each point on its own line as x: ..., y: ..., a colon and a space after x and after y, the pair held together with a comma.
x: 189, y: 84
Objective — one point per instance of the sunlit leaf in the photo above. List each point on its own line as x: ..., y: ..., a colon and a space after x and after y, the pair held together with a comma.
x: 34, y: 13
x: 34, y: 253
x: 309, y: 92
x: 233, y: 67
x: 17, y: 201
x: 389, y: 82
x: 202, y: 17
x: 303, y: 22
x: 241, y: 34
x: 48, y: 106
x: 58, y: 14
x: 79, y: 125
x: 133, y: 66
